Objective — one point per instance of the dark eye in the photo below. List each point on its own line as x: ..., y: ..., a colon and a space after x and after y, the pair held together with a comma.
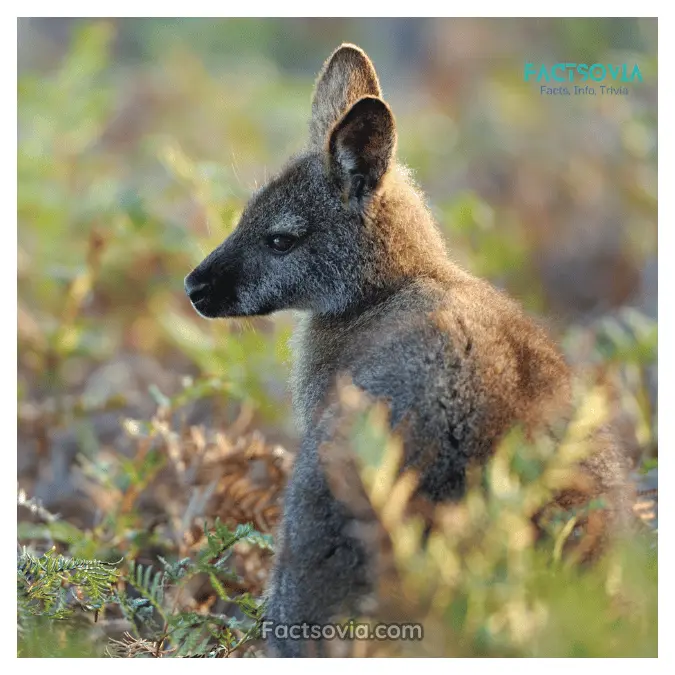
x: 281, y: 243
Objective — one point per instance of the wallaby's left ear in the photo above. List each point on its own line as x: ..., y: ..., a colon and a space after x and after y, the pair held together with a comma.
x: 361, y: 145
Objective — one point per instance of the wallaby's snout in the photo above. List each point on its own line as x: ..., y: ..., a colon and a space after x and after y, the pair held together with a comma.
x: 197, y: 289
x: 211, y: 286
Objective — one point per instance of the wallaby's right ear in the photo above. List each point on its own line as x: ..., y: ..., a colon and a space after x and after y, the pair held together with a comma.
x: 347, y: 76
x: 362, y: 146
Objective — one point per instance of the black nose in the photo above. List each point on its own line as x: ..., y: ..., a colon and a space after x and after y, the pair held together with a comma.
x: 196, y: 290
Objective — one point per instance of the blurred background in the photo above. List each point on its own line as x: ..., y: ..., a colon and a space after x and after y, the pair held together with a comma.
x: 139, y: 141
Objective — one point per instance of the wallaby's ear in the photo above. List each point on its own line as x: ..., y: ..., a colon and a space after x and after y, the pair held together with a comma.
x: 362, y: 144
x: 347, y: 76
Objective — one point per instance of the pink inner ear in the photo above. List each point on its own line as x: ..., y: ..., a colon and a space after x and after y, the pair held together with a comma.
x: 364, y: 140
x: 345, y: 156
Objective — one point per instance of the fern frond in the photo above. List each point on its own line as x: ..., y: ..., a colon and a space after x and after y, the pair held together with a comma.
x: 54, y: 585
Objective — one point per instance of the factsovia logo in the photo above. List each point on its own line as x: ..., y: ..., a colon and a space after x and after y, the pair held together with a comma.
x: 606, y: 79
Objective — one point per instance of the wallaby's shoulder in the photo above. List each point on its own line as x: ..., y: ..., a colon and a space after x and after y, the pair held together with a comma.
x: 477, y: 319
x: 435, y: 338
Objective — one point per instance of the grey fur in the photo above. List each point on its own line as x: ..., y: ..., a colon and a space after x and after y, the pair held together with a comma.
x: 457, y: 361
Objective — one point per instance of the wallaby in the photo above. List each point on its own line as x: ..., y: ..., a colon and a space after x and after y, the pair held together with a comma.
x: 343, y: 235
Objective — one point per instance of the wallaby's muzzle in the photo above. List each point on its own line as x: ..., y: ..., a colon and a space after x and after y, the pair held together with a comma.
x: 199, y: 290
x: 211, y: 286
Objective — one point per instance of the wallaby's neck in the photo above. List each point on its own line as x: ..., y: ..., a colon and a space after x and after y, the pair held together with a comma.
x: 413, y: 243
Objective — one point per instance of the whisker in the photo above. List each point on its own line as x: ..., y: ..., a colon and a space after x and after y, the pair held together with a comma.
x: 234, y: 168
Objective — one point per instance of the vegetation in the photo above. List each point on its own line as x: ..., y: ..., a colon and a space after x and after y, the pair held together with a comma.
x: 153, y: 446
x: 52, y: 586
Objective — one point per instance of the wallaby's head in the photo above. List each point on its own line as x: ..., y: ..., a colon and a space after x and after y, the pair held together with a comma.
x: 324, y: 234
